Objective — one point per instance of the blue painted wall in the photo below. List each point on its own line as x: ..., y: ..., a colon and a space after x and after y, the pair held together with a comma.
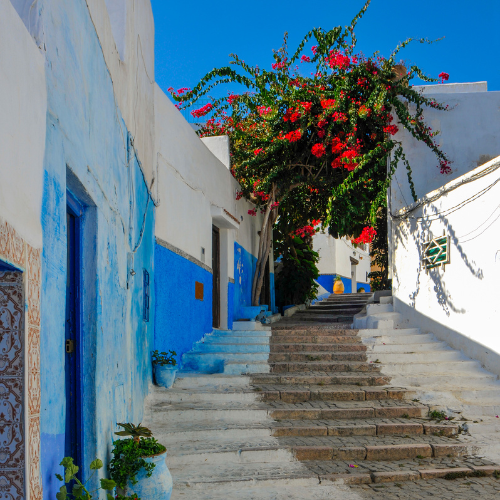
x: 180, y: 319
x: 86, y: 135
x: 230, y: 304
x: 244, y: 268
x: 326, y: 281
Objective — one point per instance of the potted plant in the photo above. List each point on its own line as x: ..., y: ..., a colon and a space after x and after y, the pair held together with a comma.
x: 138, y: 466
x: 338, y: 286
x: 165, y: 368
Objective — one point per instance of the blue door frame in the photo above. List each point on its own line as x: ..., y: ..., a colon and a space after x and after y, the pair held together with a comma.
x: 73, y: 338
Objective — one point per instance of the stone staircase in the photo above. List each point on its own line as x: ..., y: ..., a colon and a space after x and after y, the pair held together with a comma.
x: 317, y: 415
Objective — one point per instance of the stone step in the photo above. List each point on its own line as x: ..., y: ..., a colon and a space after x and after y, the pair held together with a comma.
x: 245, y: 367
x: 377, y: 333
x: 317, y: 356
x: 227, y: 347
x: 324, y: 332
x: 271, y: 450
x: 230, y: 333
x: 454, y: 382
x: 346, y: 310
x: 193, y: 380
x: 214, y: 361
x: 316, y: 393
x: 321, y: 379
x: 462, y: 368
x: 403, y: 339
x: 330, y: 348
x: 315, y: 339
x: 234, y: 339
x: 323, y: 318
x: 323, y: 366
x: 346, y: 410
x: 415, y: 356
x: 206, y: 395
x: 400, y: 470
x: 368, y: 427
x: 406, y: 348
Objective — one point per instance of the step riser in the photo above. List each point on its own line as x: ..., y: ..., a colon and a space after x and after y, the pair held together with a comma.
x: 235, y: 339
x: 446, y: 368
x: 341, y: 332
x: 322, y: 380
x: 353, y: 413
x: 323, y: 367
x: 293, y: 348
x: 315, y: 340
x: 276, y: 357
x: 213, y: 382
x: 334, y: 395
x: 324, y: 319
x: 415, y: 357
x: 376, y: 453
x: 244, y: 368
x: 235, y: 348
x: 234, y: 457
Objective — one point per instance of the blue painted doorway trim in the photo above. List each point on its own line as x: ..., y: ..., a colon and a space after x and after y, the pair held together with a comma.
x: 73, y: 339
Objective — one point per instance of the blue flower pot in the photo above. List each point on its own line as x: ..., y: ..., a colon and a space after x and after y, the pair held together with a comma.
x: 158, y: 486
x: 165, y: 375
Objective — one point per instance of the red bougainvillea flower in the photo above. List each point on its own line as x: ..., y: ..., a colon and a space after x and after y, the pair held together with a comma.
x: 239, y: 195
x: 444, y: 165
x: 314, y: 48
x: 327, y: 103
x: 391, y: 129
x: 258, y: 151
x: 279, y: 65
x: 294, y: 135
x: 252, y: 212
x: 318, y: 150
x: 322, y: 123
x: 337, y: 145
x: 295, y: 116
x: 182, y: 90
x: 339, y: 117
x: 444, y: 77
x: 305, y: 231
x: 307, y: 106
x: 305, y: 58
x: 197, y: 113
x: 276, y: 204
x: 321, y: 134
x: 338, y: 60
x: 231, y: 98
x: 366, y: 236
x: 263, y: 110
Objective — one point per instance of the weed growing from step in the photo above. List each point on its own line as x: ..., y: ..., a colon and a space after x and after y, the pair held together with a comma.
x: 496, y: 474
x: 437, y: 415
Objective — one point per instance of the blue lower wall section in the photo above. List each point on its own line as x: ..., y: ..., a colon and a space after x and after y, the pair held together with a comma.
x: 326, y: 281
x: 230, y: 305
x: 244, y: 268
x: 180, y: 319
x: 52, y: 449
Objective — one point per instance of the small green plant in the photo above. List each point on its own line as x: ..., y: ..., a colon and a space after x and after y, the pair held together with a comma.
x: 134, y: 431
x: 79, y: 489
x: 129, y: 454
x: 405, y: 415
x: 164, y: 358
x: 338, y: 278
x: 437, y: 415
x: 496, y: 474
x: 455, y: 475
x: 420, y: 457
x: 377, y: 361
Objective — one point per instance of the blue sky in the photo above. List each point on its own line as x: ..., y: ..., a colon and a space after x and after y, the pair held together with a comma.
x: 194, y: 37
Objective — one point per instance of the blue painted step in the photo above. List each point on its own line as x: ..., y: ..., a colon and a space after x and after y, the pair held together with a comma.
x: 213, y: 362
x: 230, y: 347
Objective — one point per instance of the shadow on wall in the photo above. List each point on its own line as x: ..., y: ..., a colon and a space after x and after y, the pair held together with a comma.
x: 418, y: 232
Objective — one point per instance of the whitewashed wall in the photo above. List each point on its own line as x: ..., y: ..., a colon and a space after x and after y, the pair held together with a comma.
x: 193, y: 181
x: 126, y: 32
x: 334, y: 257
x: 23, y: 105
x: 459, y: 304
x: 470, y: 132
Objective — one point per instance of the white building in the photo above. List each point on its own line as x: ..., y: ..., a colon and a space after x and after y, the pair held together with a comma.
x: 458, y: 301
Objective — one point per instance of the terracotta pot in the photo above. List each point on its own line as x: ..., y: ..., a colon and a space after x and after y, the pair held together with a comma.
x: 338, y: 287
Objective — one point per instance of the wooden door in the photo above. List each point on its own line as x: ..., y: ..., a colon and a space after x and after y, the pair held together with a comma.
x: 216, y: 277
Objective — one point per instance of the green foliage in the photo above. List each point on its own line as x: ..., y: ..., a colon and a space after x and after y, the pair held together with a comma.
x: 163, y: 358
x: 437, y: 415
x: 134, y: 431
x: 379, y: 280
x: 78, y: 489
x: 128, y: 459
x: 337, y: 278
x: 328, y: 138
x: 296, y: 280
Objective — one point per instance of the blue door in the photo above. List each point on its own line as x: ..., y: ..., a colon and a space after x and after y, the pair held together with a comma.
x: 73, y: 446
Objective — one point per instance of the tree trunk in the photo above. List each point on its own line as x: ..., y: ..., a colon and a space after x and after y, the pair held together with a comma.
x: 265, y: 240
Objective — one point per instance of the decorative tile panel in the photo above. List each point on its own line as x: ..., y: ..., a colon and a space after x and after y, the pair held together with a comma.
x: 13, y: 330
x: 11, y: 485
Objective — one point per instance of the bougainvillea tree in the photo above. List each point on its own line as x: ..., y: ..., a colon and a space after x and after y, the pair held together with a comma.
x: 326, y: 139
